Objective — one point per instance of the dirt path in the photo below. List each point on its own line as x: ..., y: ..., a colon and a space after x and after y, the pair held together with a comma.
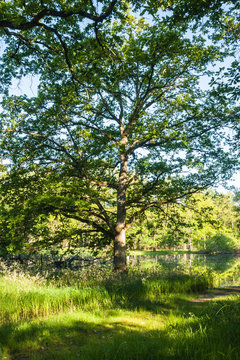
x: 217, y: 293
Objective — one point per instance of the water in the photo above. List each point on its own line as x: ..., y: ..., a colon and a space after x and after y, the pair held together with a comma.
x: 226, y: 267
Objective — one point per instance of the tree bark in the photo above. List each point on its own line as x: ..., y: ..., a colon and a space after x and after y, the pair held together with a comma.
x: 120, y: 230
x: 120, y: 251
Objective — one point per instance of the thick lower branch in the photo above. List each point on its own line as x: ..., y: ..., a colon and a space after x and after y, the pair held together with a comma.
x: 63, y: 14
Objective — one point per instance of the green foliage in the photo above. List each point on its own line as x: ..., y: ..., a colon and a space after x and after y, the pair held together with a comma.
x: 220, y: 243
x: 30, y: 217
x: 119, y: 123
x: 187, y: 224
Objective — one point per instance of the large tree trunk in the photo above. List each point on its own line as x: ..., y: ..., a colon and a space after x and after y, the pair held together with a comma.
x: 120, y: 230
x: 120, y: 251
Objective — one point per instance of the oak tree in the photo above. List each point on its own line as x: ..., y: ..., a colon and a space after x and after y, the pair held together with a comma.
x: 120, y: 123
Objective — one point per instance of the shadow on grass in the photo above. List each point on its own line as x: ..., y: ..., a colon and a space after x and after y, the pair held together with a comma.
x: 209, y: 332
x: 159, y: 296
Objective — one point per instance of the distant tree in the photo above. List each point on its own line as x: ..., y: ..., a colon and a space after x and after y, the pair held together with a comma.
x: 188, y: 223
x: 206, y: 214
x: 120, y: 123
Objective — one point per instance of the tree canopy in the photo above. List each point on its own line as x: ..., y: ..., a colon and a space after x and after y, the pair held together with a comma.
x: 120, y: 122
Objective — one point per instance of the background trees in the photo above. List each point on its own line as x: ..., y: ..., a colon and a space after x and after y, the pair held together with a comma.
x: 120, y: 123
x: 194, y: 223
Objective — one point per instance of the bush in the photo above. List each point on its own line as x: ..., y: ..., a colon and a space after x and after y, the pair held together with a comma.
x: 220, y: 243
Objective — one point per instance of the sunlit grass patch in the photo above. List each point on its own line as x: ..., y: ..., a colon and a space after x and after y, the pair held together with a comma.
x: 143, y: 315
x: 158, y: 252
x: 72, y: 331
x: 124, y: 335
x: 132, y: 335
x: 19, y: 302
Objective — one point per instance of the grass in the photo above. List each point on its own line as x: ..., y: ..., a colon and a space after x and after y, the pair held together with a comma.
x: 143, y: 315
x: 159, y: 252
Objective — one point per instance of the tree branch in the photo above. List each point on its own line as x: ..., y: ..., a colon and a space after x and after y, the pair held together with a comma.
x: 36, y: 20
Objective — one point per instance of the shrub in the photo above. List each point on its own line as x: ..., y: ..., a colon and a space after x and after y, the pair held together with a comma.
x: 220, y: 243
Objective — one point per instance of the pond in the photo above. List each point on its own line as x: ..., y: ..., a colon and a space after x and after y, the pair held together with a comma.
x: 226, y: 267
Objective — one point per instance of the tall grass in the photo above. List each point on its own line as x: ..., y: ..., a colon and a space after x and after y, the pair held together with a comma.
x: 99, y: 315
x: 135, y: 289
x: 24, y: 297
x: 20, y: 302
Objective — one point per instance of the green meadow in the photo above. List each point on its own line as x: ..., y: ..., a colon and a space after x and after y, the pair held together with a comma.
x: 97, y: 314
